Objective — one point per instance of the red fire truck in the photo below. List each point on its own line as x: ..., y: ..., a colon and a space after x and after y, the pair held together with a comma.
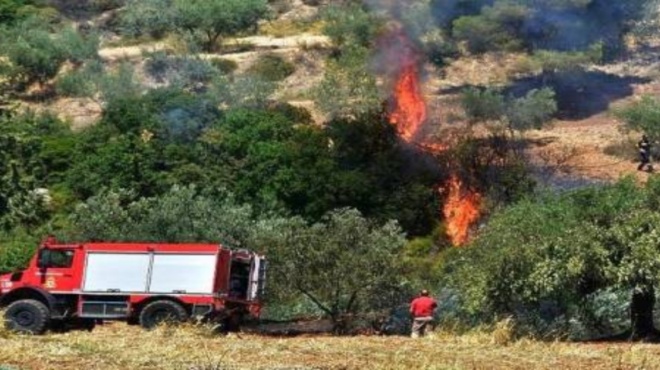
x: 145, y: 283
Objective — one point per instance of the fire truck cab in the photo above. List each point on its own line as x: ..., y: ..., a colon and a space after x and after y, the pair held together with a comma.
x: 145, y: 283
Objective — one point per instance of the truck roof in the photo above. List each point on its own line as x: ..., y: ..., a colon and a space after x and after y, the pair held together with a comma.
x: 141, y: 247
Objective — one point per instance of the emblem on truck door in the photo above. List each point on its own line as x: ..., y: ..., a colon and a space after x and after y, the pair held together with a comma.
x: 50, y: 283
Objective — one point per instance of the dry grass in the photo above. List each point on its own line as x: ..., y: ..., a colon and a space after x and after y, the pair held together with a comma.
x: 289, y: 27
x: 117, y: 346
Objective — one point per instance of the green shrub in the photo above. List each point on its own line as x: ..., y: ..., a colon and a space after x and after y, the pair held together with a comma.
x: 226, y: 66
x: 16, y: 249
x: 351, y: 25
x: 79, y: 47
x: 148, y: 17
x: 36, y: 54
x: 495, y: 29
x: 348, y: 86
x: 642, y: 116
x: 74, y: 84
x: 119, y: 84
x: 271, y: 67
x: 543, y: 260
x: 27, y: 164
x: 532, y: 111
x: 105, y: 5
x: 439, y: 48
x: 158, y: 65
x: 16, y: 10
x: 554, y: 62
x: 186, y: 72
x: 483, y: 105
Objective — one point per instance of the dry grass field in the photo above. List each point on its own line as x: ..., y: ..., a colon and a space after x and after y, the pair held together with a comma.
x: 117, y: 346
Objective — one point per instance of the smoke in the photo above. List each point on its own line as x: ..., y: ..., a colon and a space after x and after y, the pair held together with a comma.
x: 576, y: 28
x: 184, y: 118
x: 413, y: 15
x: 562, y: 25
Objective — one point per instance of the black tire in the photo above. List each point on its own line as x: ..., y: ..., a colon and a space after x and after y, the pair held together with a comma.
x: 159, y: 312
x: 27, y: 316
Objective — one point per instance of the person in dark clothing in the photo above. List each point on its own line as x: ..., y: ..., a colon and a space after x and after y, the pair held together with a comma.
x: 644, y: 147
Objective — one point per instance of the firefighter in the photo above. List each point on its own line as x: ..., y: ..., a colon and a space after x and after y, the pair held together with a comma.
x: 421, y: 309
x: 644, y: 147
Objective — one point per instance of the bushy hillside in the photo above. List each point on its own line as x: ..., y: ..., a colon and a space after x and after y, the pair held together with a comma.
x: 378, y: 135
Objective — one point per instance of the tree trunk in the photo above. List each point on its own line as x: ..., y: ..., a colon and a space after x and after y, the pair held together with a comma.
x: 641, y: 313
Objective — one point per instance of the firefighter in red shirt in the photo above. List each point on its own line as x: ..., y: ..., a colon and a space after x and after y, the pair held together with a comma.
x: 421, y: 309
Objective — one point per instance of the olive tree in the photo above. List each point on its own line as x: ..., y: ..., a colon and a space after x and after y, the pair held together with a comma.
x: 210, y: 19
x: 528, y: 112
x: 182, y: 214
x: 218, y: 18
x: 343, y: 264
x: 643, y: 115
x: 541, y: 260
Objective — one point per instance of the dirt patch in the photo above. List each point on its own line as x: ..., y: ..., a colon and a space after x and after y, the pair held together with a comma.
x: 576, y: 147
x: 79, y: 112
x: 116, y: 54
x: 579, y: 148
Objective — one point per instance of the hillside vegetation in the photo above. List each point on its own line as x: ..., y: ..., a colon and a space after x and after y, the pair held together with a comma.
x: 269, y: 125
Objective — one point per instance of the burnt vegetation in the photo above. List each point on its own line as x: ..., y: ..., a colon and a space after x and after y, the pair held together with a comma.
x: 191, y: 145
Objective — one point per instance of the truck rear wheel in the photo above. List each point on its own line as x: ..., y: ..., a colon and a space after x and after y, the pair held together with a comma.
x: 27, y: 316
x: 162, y: 311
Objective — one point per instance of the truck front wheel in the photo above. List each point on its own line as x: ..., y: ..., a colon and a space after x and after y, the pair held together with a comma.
x: 162, y: 311
x: 27, y: 316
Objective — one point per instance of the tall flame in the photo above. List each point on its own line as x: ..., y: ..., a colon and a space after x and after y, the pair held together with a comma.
x: 461, y: 210
x: 408, y: 114
x: 409, y: 107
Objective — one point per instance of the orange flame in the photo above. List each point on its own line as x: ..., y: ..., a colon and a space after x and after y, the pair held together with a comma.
x: 409, y: 111
x: 408, y: 114
x: 461, y: 210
